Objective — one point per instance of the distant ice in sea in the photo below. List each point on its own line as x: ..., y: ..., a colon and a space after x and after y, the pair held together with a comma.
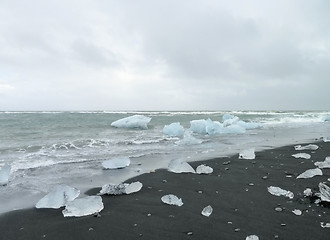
x: 136, y: 121
x: 4, y: 174
x: 116, y: 163
x: 188, y: 139
x: 173, y: 130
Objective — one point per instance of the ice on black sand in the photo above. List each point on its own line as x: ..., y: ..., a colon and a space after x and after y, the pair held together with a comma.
x: 277, y: 191
x: 325, y: 164
x: 325, y: 192
x: 252, y: 237
x: 302, y: 155
x: 310, y: 173
x: 203, y: 169
x: 171, y: 199
x: 306, y: 147
x: 247, y: 154
x: 207, y: 211
x: 83, y: 206
x: 122, y: 188
x: 180, y: 166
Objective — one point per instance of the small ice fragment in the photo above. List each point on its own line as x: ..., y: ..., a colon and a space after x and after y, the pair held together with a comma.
x: 180, y: 166
x: 297, y: 212
x: 302, y: 155
x: 188, y: 139
x: 325, y: 192
x: 325, y: 164
x: 306, y: 147
x: 136, y: 121
x: 252, y: 237
x: 171, y: 199
x: 325, y: 225
x: 203, y: 169
x: 122, y: 188
x: 173, y: 130
x: 326, y: 139
x: 4, y: 174
x: 311, y: 173
x: 308, y: 192
x: 133, y: 187
x: 247, y: 154
x: 115, y: 163
x: 280, y: 192
x: 83, y: 206
x: 58, y: 197
x: 207, y: 211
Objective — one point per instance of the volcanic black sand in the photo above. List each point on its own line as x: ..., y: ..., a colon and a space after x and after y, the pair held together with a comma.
x: 237, y: 191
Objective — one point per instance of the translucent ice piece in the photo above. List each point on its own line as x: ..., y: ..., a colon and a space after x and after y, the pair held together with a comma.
x: 325, y: 164
x: 203, y: 169
x: 280, y: 192
x: 311, y: 173
x: 308, y: 192
x: 325, y: 225
x: 172, y: 200
x: 173, y: 130
x: 188, y: 139
x: 297, y: 212
x: 252, y: 237
x: 133, y: 187
x: 58, y: 197
x: 325, y: 192
x: 83, y: 206
x: 4, y: 174
x: 115, y: 163
x: 136, y: 121
x: 122, y: 188
x: 247, y: 154
x: 306, y: 147
x: 207, y: 211
x: 302, y: 155
x: 198, y: 126
x: 180, y: 166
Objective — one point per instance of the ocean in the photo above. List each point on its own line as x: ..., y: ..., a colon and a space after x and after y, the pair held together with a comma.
x: 49, y: 148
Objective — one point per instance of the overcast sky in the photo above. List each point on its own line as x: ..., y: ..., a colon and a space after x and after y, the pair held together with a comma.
x: 164, y: 55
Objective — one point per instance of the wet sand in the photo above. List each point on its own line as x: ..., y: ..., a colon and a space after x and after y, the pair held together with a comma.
x: 237, y: 191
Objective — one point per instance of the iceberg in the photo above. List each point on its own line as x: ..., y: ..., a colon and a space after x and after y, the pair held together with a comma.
x: 325, y: 192
x: 277, y: 191
x: 213, y: 127
x: 180, y: 166
x: 188, y: 139
x: 247, y: 154
x: 327, y: 118
x: 307, y: 147
x: 302, y: 155
x: 198, y: 126
x: 249, y: 125
x: 207, y: 211
x: 173, y: 130
x: 252, y: 237
x: 230, y: 121
x: 115, y: 163
x: 203, y: 169
x: 83, y: 206
x: 227, y: 116
x: 325, y: 164
x: 122, y: 188
x: 58, y: 197
x: 4, y: 174
x: 136, y: 121
x: 171, y: 199
x: 311, y: 173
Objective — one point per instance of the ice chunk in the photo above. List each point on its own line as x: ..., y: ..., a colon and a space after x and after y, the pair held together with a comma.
x: 58, y: 197
x: 308, y: 192
x: 198, y: 126
x: 277, y: 191
x: 213, y: 127
x: 249, y: 125
x: 227, y: 116
x: 230, y: 121
x: 327, y: 118
x: 252, y: 237
x: 136, y: 121
x: 311, y: 173
x: 302, y: 155
x: 172, y: 200
x: 325, y: 192
x: 297, y: 212
x: 188, y: 139
x: 234, y: 129
x: 325, y: 164
x: 247, y: 154
x: 173, y: 130
x: 4, y: 174
x: 180, y: 166
x: 83, y: 206
x: 325, y: 225
x: 207, y: 211
x: 122, y: 188
x: 115, y: 163
x: 203, y: 169
x: 326, y: 139
x: 306, y: 147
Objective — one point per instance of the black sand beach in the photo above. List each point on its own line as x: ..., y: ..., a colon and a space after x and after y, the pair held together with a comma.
x: 237, y: 192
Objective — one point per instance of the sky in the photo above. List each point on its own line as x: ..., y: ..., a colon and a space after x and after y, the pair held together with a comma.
x: 164, y: 55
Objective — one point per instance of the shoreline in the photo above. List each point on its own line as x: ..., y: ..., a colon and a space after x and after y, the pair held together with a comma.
x: 236, y: 191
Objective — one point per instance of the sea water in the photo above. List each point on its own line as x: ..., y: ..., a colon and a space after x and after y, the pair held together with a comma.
x: 45, y: 149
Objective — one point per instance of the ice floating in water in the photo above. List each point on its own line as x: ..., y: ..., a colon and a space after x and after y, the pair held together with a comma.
x: 230, y: 121
x: 311, y: 173
x: 173, y: 130
x: 4, y: 174
x: 325, y: 164
x: 247, y: 154
x: 302, y: 155
x: 213, y: 127
x: 234, y: 129
x: 136, y: 121
x: 180, y: 166
x: 280, y: 192
x: 207, y: 211
x: 116, y: 163
x: 307, y: 147
x: 171, y: 199
x: 297, y: 212
x: 308, y: 192
x: 249, y: 125
x: 325, y: 192
x: 252, y: 237
x: 198, y: 126
x: 83, y: 206
x: 58, y: 197
x: 227, y: 116
x: 122, y: 188
x: 188, y: 139
x: 203, y: 169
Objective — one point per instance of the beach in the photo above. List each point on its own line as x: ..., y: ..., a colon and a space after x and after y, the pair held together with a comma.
x: 236, y: 190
